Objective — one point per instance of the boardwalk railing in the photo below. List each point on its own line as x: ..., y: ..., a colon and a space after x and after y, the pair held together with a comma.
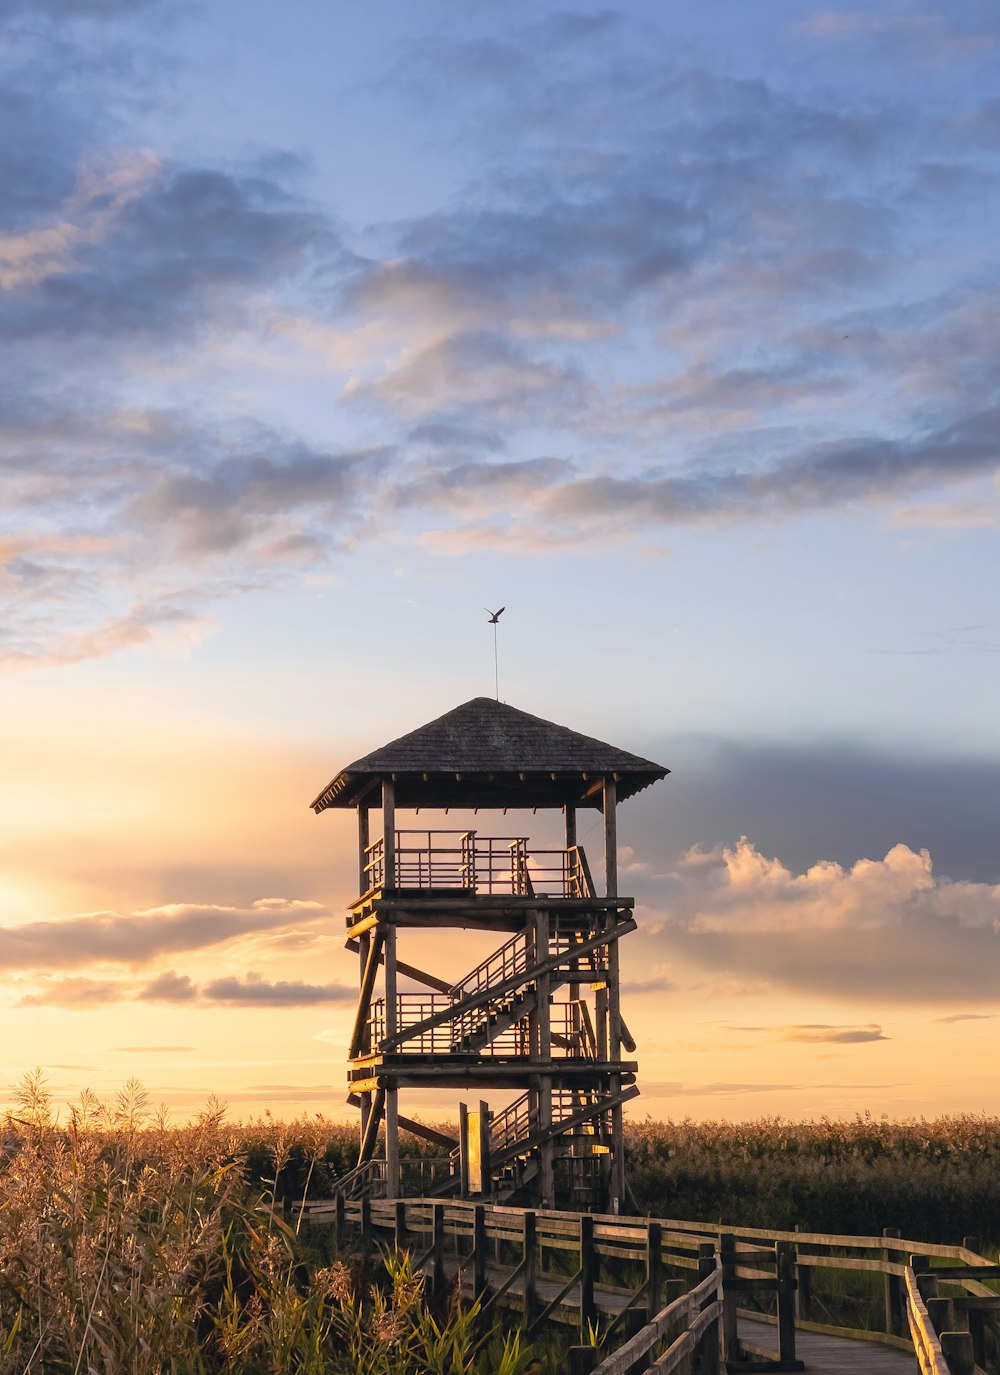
x: 628, y: 1280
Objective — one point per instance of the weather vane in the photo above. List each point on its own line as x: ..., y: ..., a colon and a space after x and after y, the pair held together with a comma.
x: 494, y: 618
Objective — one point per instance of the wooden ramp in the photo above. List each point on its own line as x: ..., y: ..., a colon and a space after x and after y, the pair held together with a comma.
x: 832, y: 1355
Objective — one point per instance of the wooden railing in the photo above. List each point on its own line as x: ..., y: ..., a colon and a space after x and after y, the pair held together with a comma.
x: 622, y: 1278
x: 467, y: 861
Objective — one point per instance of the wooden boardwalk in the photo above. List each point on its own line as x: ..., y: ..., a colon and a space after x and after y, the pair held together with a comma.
x: 832, y: 1355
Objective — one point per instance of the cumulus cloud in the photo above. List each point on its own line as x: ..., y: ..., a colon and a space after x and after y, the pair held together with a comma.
x: 821, y: 1033
x: 257, y: 991
x: 888, y: 930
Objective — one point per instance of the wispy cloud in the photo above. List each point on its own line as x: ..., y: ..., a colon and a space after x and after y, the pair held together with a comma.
x: 135, y: 938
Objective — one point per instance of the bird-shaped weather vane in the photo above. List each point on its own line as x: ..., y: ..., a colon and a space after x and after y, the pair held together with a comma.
x: 494, y: 618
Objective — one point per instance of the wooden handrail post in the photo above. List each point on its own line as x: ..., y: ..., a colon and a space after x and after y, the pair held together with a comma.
x: 437, y: 1238
x: 972, y: 1244
x: 366, y: 1230
x: 479, y: 1250
x: 399, y: 1225
x: 339, y: 1220
x: 893, y: 1290
x: 784, y: 1254
x: 957, y: 1350
x: 926, y: 1282
x: 727, y: 1254
x: 529, y: 1255
x: 977, y: 1331
x: 582, y: 1359
x: 654, y: 1269
x: 588, y: 1312
x: 942, y: 1314
x: 803, y: 1280
x: 711, y: 1342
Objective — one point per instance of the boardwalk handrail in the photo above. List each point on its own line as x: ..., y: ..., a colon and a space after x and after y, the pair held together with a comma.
x: 926, y: 1344
x: 685, y: 1320
x: 505, y: 1249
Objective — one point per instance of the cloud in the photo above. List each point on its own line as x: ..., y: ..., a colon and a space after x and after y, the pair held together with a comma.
x: 257, y: 991
x: 965, y: 1017
x: 135, y: 938
x: 82, y: 994
x: 152, y: 1050
x: 819, y: 1033
x: 887, y: 930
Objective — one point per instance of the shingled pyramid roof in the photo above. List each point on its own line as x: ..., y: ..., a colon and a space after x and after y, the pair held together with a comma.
x: 488, y: 754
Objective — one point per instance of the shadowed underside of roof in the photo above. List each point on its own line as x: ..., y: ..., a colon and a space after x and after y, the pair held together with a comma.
x: 487, y: 754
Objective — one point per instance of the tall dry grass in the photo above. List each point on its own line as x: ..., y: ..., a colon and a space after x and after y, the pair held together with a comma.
x: 129, y: 1246
x: 936, y: 1179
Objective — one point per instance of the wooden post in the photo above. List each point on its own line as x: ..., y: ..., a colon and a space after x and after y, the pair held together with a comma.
x: 529, y: 1255
x: 710, y: 1343
x: 727, y: 1254
x: 463, y: 1150
x: 785, y: 1263
x: 339, y: 1221
x: 942, y: 1315
x: 803, y: 1280
x: 366, y: 1229
x: 388, y: 833
x: 893, y: 1290
x: 582, y: 1359
x: 654, y: 1269
x: 543, y: 1023
x: 977, y: 1331
x: 972, y: 1244
x: 478, y: 1251
x: 610, y: 837
x: 399, y: 1225
x: 588, y: 1257
x: 927, y: 1284
x: 957, y: 1350
x: 570, y: 814
x: 391, y: 1091
x: 437, y: 1238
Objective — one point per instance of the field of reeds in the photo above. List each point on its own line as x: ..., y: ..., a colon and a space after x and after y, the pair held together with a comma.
x: 131, y: 1245
x: 936, y: 1179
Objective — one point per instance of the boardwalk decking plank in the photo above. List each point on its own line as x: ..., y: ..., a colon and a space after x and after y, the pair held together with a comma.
x: 833, y: 1355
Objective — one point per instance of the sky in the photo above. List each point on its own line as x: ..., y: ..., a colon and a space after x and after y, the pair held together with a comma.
x: 671, y: 328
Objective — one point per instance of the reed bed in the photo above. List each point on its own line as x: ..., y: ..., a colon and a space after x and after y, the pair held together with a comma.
x: 130, y: 1246
x: 936, y: 1179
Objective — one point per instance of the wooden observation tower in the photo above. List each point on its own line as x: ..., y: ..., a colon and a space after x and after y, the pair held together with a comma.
x: 539, y: 1017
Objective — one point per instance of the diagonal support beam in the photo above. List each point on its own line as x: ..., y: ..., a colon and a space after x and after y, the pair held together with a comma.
x: 488, y: 995
x: 410, y: 970
x: 371, y: 1127
x: 415, y: 1128
x: 365, y: 995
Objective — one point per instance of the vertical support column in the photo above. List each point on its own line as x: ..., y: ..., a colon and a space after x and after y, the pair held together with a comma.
x: 614, y: 1016
x: 364, y: 949
x: 544, y: 986
x: 610, y: 837
x: 478, y: 1251
x: 391, y: 1091
x: 388, y: 833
